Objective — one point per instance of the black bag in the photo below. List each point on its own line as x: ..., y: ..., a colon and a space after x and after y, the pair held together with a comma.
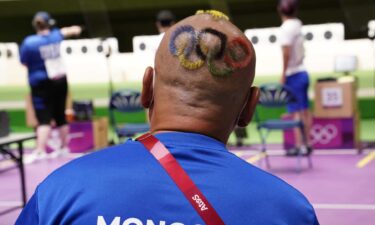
x: 83, y: 110
x: 4, y: 124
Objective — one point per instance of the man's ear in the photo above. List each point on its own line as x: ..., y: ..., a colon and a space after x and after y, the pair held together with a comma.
x: 249, y: 109
x: 147, y: 94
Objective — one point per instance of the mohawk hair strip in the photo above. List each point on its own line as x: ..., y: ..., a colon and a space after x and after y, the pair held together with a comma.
x: 217, y: 15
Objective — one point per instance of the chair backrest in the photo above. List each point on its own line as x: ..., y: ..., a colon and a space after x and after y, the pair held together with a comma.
x: 275, y: 95
x: 4, y: 124
x: 126, y: 101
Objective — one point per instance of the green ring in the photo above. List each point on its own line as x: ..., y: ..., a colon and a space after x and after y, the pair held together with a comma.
x: 214, y: 70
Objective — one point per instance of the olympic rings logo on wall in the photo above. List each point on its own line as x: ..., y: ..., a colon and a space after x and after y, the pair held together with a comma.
x: 235, y: 53
x: 323, y: 134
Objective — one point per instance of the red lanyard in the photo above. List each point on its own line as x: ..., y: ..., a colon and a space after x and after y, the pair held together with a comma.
x: 182, y: 179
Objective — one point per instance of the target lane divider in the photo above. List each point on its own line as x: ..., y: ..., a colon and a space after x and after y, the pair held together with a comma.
x: 366, y: 160
x: 10, y: 203
x: 4, y: 164
x: 345, y: 206
x: 239, y: 153
x: 256, y: 158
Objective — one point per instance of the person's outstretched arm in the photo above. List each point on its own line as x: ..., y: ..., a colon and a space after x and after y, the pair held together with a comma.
x: 71, y: 31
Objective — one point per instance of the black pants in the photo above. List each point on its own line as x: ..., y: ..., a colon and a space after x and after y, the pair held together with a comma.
x: 49, y: 100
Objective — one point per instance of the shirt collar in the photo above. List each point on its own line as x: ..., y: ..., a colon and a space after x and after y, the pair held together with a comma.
x: 189, y: 139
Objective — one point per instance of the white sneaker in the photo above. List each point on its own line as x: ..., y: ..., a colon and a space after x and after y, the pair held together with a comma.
x: 28, y: 159
x: 65, y: 151
x: 35, y: 156
x: 41, y: 156
x: 60, y: 152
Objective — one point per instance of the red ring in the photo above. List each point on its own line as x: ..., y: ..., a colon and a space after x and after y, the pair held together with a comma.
x: 245, y: 46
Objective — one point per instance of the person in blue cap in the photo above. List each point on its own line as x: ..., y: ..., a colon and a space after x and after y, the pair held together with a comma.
x: 181, y: 173
x: 40, y: 53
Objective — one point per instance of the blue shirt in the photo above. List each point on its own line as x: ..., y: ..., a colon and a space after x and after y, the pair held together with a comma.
x: 126, y: 185
x: 35, y: 49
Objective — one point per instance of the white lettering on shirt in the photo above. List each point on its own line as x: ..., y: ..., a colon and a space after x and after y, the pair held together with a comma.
x: 200, y: 202
x: 54, y: 64
x: 150, y: 222
x: 51, y: 51
x: 133, y: 221
x: 115, y: 221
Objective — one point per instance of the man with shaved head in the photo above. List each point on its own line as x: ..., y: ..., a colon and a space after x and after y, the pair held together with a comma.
x: 181, y: 172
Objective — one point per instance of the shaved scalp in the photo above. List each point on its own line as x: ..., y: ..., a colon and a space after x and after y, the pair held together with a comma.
x: 204, y: 68
x: 196, y: 48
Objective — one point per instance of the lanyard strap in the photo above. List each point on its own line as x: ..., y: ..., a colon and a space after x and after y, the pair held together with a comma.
x: 181, y: 179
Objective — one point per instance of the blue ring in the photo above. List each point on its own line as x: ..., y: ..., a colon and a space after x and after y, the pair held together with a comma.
x: 190, y: 47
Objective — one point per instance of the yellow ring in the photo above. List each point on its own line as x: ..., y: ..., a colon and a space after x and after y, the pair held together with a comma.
x: 188, y: 64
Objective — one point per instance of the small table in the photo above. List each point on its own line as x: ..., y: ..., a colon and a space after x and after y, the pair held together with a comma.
x: 18, y: 158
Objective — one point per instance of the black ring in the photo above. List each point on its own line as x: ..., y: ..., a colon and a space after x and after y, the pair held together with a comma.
x: 221, y: 36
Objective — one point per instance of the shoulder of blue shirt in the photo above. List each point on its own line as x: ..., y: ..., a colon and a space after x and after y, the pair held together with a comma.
x: 34, y: 38
x: 77, y: 170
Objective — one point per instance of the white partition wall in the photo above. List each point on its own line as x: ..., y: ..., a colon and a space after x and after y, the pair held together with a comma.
x: 85, y: 59
x: 131, y: 66
x: 146, y: 43
x: 12, y: 72
x: 330, y: 32
x: 323, y: 44
x: 263, y: 36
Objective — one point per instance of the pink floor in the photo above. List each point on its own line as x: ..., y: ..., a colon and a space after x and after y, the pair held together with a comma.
x: 341, y: 193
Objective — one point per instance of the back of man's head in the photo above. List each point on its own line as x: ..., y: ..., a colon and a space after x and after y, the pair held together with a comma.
x: 204, y: 69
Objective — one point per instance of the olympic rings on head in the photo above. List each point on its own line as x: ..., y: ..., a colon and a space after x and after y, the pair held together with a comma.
x: 214, y: 13
x: 189, y: 47
x: 232, y: 59
x: 223, y: 43
x: 236, y: 53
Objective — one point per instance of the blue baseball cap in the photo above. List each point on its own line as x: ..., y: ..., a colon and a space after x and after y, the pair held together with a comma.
x: 45, y: 16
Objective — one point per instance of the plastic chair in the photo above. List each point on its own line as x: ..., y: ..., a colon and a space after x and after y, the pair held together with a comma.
x: 126, y: 102
x: 278, y: 96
